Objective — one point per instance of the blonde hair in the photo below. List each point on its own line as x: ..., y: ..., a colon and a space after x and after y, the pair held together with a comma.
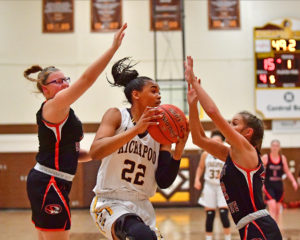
x: 42, y: 76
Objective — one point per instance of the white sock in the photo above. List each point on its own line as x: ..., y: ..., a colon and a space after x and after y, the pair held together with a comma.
x: 227, y: 237
x: 208, y: 237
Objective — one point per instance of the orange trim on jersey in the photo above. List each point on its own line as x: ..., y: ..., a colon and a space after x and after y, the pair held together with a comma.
x: 275, y: 162
x: 56, y: 157
x: 259, y: 229
x: 52, y: 183
x: 248, y: 171
x: 56, y: 126
x: 267, y: 193
x: 251, y: 191
x: 246, y: 232
x: 281, y: 199
x: 52, y: 230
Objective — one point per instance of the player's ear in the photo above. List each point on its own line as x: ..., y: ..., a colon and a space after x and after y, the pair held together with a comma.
x: 45, y: 90
x: 249, y: 132
x: 135, y: 94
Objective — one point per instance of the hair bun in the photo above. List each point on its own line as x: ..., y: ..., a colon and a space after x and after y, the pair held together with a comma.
x: 122, y: 72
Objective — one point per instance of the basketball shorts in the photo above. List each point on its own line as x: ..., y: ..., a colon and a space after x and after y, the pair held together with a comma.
x: 212, y: 196
x: 275, y: 191
x: 105, y: 212
x: 264, y: 228
x: 49, y: 201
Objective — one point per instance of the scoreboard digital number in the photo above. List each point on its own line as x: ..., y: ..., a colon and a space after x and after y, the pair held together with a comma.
x: 277, y: 69
x: 280, y: 66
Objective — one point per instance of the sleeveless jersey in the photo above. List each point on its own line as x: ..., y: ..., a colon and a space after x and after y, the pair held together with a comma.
x: 131, y: 169
x: 59, y: 143
x: 213, y: 168
x: 274, y: 171
x: 242, y: 188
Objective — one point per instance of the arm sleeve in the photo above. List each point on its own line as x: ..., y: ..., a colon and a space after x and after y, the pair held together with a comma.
x: 167, y: 169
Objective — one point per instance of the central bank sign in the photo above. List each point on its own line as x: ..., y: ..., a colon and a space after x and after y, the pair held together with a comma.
x: 279, y: 103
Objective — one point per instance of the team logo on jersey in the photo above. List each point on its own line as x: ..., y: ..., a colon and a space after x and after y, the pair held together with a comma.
x: 53, y: 209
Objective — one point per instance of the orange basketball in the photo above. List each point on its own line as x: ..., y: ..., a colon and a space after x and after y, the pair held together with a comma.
x: 172, y: 125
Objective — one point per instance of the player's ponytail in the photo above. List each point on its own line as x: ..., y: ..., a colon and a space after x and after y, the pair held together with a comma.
x: 34, y: 69
x: 42, y: 76
x: 125, y: 76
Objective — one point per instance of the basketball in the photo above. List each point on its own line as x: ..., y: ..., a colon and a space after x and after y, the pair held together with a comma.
x: 171, y: 126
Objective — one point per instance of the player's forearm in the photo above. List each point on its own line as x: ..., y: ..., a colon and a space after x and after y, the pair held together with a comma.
x: 199, y: 173
x: 197, y: 130
x: 291, y: 177
x: 107, y: 145
x: 206, y: 101
x: 96, y: 68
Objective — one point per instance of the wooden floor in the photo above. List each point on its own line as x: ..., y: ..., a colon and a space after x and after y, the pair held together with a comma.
x: 174, y: 224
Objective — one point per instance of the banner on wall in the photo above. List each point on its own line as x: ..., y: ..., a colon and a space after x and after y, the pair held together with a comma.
x: 58, y: 16
x: 106, y: 15
x: 165, y: 15
x: 223, y: 14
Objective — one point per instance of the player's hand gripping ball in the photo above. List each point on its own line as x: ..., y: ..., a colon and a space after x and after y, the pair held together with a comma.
x: 172, y: 125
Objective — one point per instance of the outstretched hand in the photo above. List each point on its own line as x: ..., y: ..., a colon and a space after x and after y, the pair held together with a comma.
x: 119, y: 36
x: 189, y: 71
x: 192, y: 94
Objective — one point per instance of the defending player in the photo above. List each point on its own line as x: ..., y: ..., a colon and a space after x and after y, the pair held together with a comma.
x: 243, y: 172
x: 59, y: 131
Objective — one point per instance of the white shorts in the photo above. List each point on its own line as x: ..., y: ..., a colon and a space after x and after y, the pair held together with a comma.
x: 212, y: 196
x: 105, y: 212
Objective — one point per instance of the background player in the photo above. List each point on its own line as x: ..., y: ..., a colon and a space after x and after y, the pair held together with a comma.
x: 211, y: 195
x: 59, y: 131
x: 243, y: 172
x: 276, y: 165
x: 133, y: 163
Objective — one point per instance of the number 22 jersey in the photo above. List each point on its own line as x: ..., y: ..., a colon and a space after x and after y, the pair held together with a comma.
x: 130, y: 169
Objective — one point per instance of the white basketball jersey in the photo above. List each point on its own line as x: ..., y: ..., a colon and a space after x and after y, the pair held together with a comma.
x: 213, y: 168
x: 131, y: 169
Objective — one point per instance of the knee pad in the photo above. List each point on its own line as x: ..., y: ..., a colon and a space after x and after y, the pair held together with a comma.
x: 224, y: 217
x: 210, y: 216
x: 131, y: 227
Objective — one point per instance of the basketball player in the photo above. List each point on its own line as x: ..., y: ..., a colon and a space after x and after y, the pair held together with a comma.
x: 133, y: 163
x: 212, y: 196
x: 276, y: 165
x: 59, y: 131
x: 243, y: 172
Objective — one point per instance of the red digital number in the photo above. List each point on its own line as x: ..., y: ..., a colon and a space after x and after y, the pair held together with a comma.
x: 269, y: 64
x: 263, y: 78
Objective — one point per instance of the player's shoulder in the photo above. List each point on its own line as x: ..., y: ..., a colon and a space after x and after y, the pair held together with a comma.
x: 112, y: 114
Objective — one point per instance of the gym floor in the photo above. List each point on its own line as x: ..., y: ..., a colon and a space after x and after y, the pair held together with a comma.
x: 174, y: 224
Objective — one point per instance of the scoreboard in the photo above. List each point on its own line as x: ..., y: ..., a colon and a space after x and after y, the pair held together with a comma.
x: 277, y: 69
